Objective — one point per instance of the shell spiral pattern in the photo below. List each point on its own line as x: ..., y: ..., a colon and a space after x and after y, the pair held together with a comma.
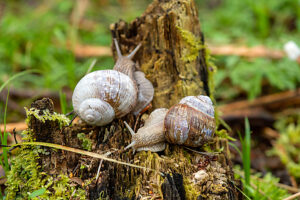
x: 191, y: 122
x: 102, y: 95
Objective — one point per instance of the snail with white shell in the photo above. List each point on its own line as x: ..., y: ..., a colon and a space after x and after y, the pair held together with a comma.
x: 103, y: 95
x: 190, y: 122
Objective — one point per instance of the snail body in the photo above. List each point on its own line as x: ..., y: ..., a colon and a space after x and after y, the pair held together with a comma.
x: 145, y: 88
x: 190, y: 122
x: 103, y: 95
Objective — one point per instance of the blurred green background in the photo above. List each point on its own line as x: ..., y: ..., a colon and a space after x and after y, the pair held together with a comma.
x: 34, y: 35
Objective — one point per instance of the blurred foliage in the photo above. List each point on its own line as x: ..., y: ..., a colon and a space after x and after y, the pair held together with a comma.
x: 262, y: 188
x: 250, y: 23
x: 287, y: 146
x: 252, y: 76
x: 35, y: 35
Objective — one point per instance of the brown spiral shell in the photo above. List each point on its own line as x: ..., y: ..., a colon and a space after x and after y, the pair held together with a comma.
x: 190, y: 122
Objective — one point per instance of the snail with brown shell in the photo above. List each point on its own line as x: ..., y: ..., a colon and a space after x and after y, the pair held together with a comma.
x: 103, y: 95
x: 190, y: 122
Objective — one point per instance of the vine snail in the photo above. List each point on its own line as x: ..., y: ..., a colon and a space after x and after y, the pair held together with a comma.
x: 103, y: 95
x: 190, y: 122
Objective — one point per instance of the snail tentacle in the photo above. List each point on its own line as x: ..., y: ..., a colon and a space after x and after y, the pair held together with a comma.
x: 118, y: 48
x: 129, y: 128
x: 130, y: 56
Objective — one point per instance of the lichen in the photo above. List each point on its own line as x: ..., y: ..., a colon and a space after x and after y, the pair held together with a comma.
x: 62, y: 119
x: 86, y: 142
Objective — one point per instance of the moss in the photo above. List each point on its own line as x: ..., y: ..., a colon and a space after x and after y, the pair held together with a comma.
x: 86, y: 142
x: 194, y: 45
x: 287, y: 147
x: 191, y: 190
x: 46, y: 115
x: 26, y: 176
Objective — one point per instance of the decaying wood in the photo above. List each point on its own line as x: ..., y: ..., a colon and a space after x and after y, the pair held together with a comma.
x: 164, y: 54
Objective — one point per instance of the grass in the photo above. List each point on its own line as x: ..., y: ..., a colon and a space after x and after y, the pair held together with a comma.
x: 3, y: 136
x: 255, y: 187
x: 246, y: 155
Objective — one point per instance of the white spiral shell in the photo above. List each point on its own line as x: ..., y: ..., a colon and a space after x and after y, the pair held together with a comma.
x: 102, y: 95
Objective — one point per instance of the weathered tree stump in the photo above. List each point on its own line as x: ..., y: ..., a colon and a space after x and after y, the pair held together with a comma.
x: 173, y: 58
x: 172, y: 54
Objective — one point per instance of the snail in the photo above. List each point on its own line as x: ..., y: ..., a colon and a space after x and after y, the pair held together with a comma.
x: 145, y: 89
x: 103, y: 95
x: 190, y: 122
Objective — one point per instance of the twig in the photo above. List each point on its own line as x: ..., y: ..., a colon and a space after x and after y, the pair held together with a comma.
x: 225, y: 50
x: 293, y: 196
x: 90, y: 51
x: 86, y: 153
x: 19, y: 126
x: 250, y: 52
x: 271, y: 102
x: 101, y: 161
x: 203, y: 153
x: 91, y: 66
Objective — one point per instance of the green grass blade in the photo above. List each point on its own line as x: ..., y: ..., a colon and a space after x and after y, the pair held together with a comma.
x: 4, y: 139
x: 91, y: 66
x: 16, y: 76
x: 63, y: 102
x: 87, y: 153
x: 246, y: 144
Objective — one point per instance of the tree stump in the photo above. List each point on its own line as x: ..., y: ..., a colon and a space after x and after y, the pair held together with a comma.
x: 173, y: 58
x: 172, y: 54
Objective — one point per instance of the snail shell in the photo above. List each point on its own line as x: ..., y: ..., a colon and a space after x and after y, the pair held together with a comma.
x: 145, y: 92
x: 190, y: 122
x: 102, y: 95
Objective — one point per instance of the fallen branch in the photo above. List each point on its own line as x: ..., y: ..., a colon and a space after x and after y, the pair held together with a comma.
x: 273, y: 102
x: 293, y: 196
x: 249, y: 52
x: 81, y: 50
x: 10, y: 127
x: 91, y: 51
